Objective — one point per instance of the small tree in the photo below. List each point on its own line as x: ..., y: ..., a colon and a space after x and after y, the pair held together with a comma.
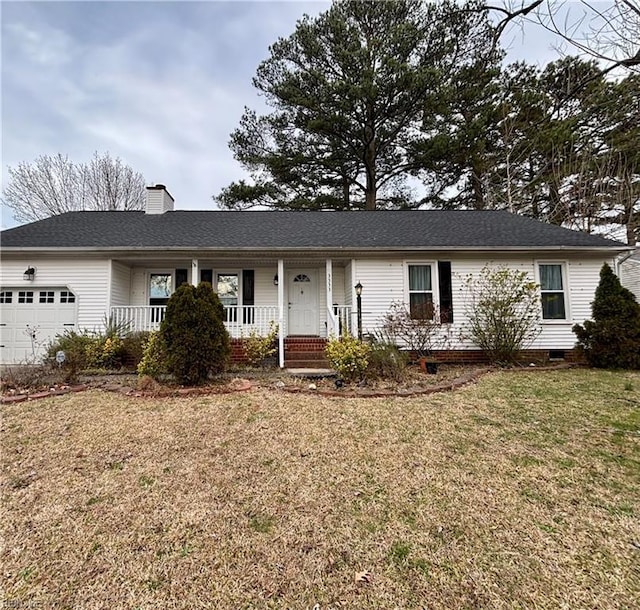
x: 612, y: 338
x: 193, y: 332
x: 421, y: 332
x: 502, y: 308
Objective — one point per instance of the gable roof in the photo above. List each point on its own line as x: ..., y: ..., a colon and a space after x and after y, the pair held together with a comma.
x: 260, y: 230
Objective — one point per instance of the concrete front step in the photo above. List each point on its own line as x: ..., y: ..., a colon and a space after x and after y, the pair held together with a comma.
x: 298, y: 363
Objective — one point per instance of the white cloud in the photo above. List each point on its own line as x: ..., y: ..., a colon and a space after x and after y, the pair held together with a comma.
x: 162, y: 84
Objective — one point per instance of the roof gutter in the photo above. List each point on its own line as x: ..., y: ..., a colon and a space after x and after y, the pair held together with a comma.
x: 307, y: 249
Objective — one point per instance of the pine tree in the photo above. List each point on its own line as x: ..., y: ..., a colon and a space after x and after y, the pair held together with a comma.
x: 612, y: 339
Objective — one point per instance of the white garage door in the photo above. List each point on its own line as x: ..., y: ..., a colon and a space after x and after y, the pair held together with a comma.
x: 30, y: 318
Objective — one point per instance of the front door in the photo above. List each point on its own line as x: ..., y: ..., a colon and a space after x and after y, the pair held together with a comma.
x: 303, y: 301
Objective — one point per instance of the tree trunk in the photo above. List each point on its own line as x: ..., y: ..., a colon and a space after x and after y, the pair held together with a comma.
x: 477, y: 188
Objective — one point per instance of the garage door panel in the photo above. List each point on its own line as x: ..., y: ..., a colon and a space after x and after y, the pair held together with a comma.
x: 48, y: 318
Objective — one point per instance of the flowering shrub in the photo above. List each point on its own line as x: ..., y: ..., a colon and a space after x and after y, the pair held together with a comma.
x: 349, y: 356
x: 258, y: 348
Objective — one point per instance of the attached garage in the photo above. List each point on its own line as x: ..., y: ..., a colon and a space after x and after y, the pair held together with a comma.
x: 30, y: 317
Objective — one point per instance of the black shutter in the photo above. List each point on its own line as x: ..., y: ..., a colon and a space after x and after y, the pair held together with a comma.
x: 206, y: 275
x: 446, y: 296
x: 182, y: 277
x: 248, y: 289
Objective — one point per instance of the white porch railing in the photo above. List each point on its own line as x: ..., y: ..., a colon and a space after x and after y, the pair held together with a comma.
x: 136, y: 318
x: 242, y: 320
x: 341, y: 320
x: 238, y: 320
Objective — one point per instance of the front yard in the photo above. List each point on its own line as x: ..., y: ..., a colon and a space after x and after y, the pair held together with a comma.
x: 522, y: 491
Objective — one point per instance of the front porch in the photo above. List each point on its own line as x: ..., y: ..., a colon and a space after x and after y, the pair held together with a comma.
x: 310, y: 298
x: 240, y: 321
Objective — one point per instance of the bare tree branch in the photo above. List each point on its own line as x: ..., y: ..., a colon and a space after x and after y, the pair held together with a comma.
x: 54, y: 185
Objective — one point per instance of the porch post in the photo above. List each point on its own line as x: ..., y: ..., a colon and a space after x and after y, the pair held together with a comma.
x: 331, y: 319
x: 194, y: 271
x: 281, y: 313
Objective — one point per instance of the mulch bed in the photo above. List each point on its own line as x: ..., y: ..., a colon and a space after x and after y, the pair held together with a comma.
x: 416, y: 383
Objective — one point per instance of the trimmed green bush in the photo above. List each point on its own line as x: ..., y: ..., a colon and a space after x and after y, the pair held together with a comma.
x: 612, y: 339
x: 194, y: 335
x: 154, y: 357
x: 349, y: 356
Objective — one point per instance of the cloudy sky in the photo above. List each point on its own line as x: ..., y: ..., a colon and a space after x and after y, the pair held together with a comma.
x: 159, y: 84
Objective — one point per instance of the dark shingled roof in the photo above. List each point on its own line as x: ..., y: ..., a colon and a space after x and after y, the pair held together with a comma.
x: 296, y: 230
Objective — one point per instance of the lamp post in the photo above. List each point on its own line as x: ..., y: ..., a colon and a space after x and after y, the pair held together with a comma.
x: 358, y: 288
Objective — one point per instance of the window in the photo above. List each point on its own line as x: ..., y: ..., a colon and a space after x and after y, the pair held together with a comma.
x: 67, y: 297
x: 552, y: 292
x: 420, y: 292
x: 227, y: 289
x: 159, y: 293
x: 25, y: 296
x: 46, y: 296
x: 6, y: 296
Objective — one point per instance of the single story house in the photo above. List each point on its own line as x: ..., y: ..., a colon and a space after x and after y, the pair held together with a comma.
x: 297, y: 269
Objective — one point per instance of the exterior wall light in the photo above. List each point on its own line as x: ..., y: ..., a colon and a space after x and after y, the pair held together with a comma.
x: 30, y: 274
x: 275, y: 279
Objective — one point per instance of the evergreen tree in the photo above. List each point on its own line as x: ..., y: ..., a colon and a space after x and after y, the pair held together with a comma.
x: 353, y: 92
x: 612, y: 339
x: 194, y: 335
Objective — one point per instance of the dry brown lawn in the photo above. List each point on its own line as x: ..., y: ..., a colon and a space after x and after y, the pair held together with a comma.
x: 520, y: 492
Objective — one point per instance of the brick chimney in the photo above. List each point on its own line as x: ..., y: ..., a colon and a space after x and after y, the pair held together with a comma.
x: 159, y: 200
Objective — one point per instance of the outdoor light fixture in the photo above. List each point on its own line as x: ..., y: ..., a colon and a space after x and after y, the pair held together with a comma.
x: 358, y: 288
x: 30, y: 273
x: 275, y: 279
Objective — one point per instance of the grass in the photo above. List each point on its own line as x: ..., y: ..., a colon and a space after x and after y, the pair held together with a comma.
x: 520, y: 492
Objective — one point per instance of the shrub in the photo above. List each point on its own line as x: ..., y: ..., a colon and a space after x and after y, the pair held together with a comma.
x: 193, y: 331
x: 258, y: 348
x: 104, y: 352
x: 502, y: 307
x: 420, y: 335
x: 133, y: 347
x: 387, y: 361
x: 76, y: 346
x: 349, y: 356
x: 612, y: 338
x: 154, y: 357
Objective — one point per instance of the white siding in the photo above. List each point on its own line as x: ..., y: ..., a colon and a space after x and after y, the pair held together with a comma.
x: 384, y: 281
x: 346, y: 285
x: 266, y: 294
x: 87, y: 279
x: 338, y: 285
x: 630, y: 276
x: 382, y: 284
x: 120, y: 284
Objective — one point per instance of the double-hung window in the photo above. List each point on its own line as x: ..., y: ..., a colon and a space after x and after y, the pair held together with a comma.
x: 552, y: 291
x: 421, y: 291
x: 228, y: 289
